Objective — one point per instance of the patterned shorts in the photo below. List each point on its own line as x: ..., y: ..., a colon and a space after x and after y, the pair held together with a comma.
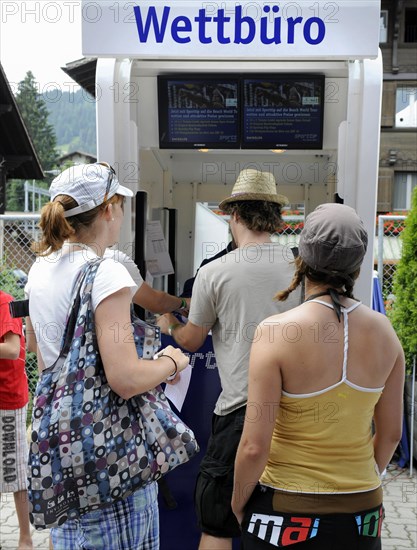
x: 13, y: 450
x: 130, y: 524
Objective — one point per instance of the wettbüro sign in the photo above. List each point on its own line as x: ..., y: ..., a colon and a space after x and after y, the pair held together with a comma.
x: 305, y: 29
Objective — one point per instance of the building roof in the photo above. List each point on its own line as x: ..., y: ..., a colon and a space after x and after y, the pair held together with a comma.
x: 16, y: 148
x: 83, y: 71
x: 72, y: 154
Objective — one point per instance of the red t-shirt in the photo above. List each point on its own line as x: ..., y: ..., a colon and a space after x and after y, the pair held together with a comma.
x: 13, y: 379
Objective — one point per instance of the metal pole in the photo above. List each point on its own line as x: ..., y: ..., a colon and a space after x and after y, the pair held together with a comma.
x: 413, y: 393
x: 381, y: 250
x: 26, y: 196
x: 26, y: 187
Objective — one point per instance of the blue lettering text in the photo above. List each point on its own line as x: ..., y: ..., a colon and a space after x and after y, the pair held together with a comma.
x: 235, y: 27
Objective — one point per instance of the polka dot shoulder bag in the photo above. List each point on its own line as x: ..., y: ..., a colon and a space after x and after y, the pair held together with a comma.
x: 89, y: 447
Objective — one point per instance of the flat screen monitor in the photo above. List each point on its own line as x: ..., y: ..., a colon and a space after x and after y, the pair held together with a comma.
x: 282, y: 111
x: 198, y: 112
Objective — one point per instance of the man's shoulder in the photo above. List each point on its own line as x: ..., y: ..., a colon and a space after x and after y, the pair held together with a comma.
x: 262, y: 254
x: 269, y: 253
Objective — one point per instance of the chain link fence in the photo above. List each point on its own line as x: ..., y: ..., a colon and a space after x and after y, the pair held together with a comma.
x: 388, y: 251
x: 17, y: 233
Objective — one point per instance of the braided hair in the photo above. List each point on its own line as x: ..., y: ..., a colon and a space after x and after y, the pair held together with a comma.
x: 344, y: 282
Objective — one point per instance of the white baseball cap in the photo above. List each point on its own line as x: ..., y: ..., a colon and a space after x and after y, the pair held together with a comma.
x: 89, y: 185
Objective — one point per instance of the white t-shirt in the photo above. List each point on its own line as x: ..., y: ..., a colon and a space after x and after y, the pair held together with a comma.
x: 49, y: 288
x: 127, y: 261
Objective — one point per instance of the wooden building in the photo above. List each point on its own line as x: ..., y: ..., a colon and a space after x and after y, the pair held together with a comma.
x: 76, y: 157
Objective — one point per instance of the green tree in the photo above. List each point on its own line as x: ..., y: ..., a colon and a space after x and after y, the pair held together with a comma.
x: 73, y: 115
x: 15, y: 195
x: 9, y: 284
x: 35, y: 114
x: 403, y: 314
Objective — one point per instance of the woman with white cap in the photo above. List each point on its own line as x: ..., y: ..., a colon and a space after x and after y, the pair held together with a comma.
x: 82, y: 220
x: 308, y: 464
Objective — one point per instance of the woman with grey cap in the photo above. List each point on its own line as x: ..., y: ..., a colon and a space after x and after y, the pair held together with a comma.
x: 307, y: 470
x: 82, y: 220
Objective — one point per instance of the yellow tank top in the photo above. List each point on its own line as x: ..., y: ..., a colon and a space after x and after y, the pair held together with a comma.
x: 322, y: 441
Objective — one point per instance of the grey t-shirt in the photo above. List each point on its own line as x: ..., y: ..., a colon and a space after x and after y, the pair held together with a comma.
x: 233, y: 294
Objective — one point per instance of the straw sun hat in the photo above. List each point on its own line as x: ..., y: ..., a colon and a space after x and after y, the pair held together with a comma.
x: 253, y: 185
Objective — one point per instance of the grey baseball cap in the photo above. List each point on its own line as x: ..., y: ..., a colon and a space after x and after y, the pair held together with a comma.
x: 334, y: 239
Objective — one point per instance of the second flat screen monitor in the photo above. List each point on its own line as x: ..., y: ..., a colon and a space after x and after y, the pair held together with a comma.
x: 283, y: 112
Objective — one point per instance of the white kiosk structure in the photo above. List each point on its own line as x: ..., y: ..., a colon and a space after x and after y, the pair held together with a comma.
x: 138, y: 41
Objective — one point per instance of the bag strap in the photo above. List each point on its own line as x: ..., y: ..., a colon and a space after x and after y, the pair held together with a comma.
x: 75, y: 308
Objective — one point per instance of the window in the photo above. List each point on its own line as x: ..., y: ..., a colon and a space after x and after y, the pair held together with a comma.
x: 383, y: 27
x: 404, y: 184
x: 410, y: 28
x: 406, y: 107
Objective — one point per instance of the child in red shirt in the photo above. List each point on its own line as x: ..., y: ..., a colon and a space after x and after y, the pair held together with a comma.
x: 13, y: 412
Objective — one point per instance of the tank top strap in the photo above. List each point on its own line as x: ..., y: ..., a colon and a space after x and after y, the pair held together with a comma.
x: 320, y: 302
x: 345, y: 342
x: 345, y: 312
x: 353, y: 307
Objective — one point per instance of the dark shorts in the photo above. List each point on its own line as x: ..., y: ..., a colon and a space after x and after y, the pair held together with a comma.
x: 264, y: 528
x: 214, y: 485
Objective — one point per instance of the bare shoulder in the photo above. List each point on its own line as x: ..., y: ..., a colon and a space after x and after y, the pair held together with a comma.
x: 378, y: 319
x: 275, y: 324
x: 377, y: 324
x: 294, y: 314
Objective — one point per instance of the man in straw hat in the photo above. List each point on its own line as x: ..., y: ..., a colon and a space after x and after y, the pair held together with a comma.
x: 231, y: 296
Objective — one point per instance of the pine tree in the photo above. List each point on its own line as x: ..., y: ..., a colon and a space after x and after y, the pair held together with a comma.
x: 403, y: 314
x: 35, y: 114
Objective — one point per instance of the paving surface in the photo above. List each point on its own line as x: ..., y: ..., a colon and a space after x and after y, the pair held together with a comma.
x: 399, y: 531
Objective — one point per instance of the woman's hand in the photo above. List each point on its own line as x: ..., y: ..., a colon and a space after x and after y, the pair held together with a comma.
x: 178, y: 358
x: 177, y: 355
x: 174, y: 381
